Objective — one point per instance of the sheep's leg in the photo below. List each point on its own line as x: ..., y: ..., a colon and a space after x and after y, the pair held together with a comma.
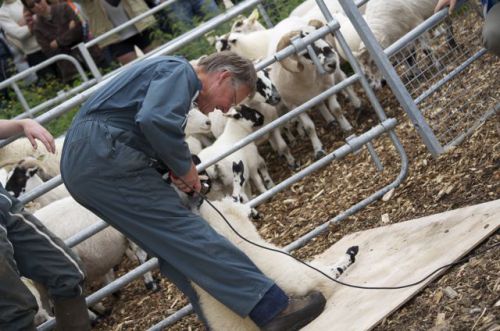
x: 312, y: 134
x: 348, y: 92
x: 349, y: 258
x: 334, y: 105
x: 264, y: 173
x: 326, y: 114
x: 135, y: 253
x: 282, y: 148
x: 238, y: 182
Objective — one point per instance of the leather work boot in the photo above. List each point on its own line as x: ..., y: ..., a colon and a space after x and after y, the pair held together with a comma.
x: 299, y: 312
x: 71, y: 314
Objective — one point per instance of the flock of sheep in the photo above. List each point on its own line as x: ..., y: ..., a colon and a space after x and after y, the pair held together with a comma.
x: 283, y: 86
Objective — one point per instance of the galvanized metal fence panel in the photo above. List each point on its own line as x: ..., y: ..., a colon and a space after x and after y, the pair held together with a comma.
x: 440, y: 64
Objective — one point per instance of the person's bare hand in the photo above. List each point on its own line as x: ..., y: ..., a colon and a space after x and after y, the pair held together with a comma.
x: 33, y: 130
x: 189, y: 181
x: 53, y: 44
x: 443, y: 3
x: 72, y: 25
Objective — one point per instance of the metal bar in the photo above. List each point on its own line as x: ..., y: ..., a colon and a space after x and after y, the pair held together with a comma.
x: 41, y: 189
x: 265, y: 16
x: 89, y: 61
x: 85, y: 233
x: 375, y: 157
x: 338, y: 154
x: 458, y: 140
x: 110, y: 288
x: 184, y: 311
x: 125, y: 25
x: 49, y: 61
x: 448, y: 77
x: 21, y: 98
x: 416, y: 32
x: 392, y: 77
x: 59, y: 98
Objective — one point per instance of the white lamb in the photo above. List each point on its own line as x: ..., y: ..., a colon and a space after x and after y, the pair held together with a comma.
x: 240, y: 124
x: 198, y: 125
x: 293, y: 277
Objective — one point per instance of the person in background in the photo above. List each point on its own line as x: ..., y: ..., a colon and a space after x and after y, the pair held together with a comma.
x: 187, y: 12
x: 491, y: 27
x: 5, y: 55
x: 105, y: 15
x: 28, y: 249
x: 57, y: 29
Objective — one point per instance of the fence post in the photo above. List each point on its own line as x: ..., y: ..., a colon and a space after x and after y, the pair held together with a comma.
x: 89, y: 61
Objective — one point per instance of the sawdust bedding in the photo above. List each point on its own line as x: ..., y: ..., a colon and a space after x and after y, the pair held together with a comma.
x: 465, y: 298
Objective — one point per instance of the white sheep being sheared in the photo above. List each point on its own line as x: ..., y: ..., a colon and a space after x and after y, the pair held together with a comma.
x: 290, y: 275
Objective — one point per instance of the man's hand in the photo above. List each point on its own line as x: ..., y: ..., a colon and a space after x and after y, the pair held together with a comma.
x: 33, y: 130
x: 191, y: 179
x: 443, y: 3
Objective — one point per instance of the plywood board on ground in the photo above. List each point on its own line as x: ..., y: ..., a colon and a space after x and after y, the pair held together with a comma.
x: 400, y: 254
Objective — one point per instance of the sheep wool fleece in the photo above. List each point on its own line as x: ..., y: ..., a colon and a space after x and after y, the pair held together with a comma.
x: 28, y: 249
x: 141, y: 114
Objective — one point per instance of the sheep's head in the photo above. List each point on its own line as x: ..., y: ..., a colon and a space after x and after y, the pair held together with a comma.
x: 245, y: 113
x: 369, y: 67
x: 24, y: 171
x: 266, y: 89
x: 222, y: 43
x: 246, y: 25
x: 327, y: 56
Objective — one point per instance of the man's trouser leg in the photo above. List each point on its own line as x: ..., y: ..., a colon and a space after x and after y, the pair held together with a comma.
x: 115, y: 182
x: 491, y: 30
x: 37, y: 254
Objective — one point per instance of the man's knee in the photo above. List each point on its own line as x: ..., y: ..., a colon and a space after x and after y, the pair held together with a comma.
x: 491, y: 30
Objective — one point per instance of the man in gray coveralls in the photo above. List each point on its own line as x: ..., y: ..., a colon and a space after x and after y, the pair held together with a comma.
x: 140, y: 116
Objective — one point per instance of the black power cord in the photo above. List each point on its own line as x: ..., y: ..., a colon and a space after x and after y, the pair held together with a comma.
x: 465, y: 259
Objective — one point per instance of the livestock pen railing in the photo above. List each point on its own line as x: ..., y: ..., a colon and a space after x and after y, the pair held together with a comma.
x: 30, y: 112
x: 386, y: 126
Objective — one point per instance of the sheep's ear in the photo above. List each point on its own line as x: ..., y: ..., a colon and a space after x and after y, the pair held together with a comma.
x: 41, y: 157
x: 316, y: 24
x: 254, y: 15
x: 290, y: 63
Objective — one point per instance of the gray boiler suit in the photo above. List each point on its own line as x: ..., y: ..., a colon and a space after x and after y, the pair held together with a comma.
x: 106, y: 166
x: 28, y: 249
